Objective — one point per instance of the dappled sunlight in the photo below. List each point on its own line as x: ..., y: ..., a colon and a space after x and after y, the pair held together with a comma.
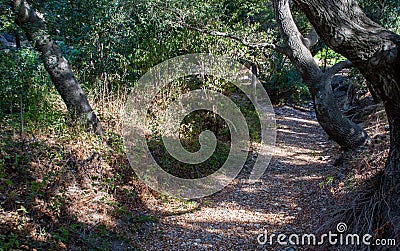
x: 192, y: 125
x: 290, y: 132
x: 301, y: 121
x: 302, y: 154
x: 286, y: 198
x: 233, y: 215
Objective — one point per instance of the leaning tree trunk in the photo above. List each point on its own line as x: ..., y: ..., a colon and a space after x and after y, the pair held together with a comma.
x: 56, y: 65
x: 343, y: 131
x: 375, y: 51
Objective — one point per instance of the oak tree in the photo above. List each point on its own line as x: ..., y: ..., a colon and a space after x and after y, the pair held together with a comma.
x: 374, y: 50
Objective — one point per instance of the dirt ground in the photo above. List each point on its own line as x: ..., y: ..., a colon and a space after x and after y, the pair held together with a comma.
x: 288, y: 198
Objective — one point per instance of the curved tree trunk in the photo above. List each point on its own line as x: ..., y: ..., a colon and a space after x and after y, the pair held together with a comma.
x: 343, y: 131
x: 375, y: 51
x: 56, y: 65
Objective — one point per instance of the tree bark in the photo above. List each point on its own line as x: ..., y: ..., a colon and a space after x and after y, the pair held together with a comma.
x: 56, y: 65
x: 343, y: 131
x: 374, y: 50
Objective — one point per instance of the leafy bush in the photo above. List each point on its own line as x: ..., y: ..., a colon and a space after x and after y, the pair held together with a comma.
x: 283, y: 83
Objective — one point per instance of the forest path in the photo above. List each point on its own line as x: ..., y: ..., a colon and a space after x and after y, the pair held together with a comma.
x: 286, y: 200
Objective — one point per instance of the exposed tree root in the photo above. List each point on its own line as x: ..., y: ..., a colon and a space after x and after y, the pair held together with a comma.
x: 366, y: 212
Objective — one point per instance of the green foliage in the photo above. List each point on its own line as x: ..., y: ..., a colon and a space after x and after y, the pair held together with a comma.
x: 9, y: 242
x: 283, y: 83
x: 110, y: 44
x: 328, y: 57
x: 146, y: 218
x: 25, y: 90
x: 328, y: 183
x: 6, y: 17
x: 387, y: 15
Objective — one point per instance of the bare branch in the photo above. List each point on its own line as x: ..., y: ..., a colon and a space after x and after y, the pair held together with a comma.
x: 338, y: 67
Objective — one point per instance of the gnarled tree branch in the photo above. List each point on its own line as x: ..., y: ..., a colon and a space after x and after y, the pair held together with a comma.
x: 343, y: 131
x: 338, y: 67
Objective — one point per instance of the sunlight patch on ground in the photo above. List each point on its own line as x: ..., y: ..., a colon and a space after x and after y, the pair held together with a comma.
x: 293, y: 152
x: 300, y: 120
x: 221, y: 219
x: 290, y: 132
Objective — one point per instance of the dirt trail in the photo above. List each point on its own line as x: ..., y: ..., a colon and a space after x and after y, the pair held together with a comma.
x: 286, y: 200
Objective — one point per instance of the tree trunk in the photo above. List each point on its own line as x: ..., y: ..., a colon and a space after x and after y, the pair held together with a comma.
x: 55, y: 64
x: 374, y: 50
x: 343, y: 131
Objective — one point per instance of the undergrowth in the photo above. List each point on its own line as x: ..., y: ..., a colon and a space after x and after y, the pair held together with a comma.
x: 63, y: 188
